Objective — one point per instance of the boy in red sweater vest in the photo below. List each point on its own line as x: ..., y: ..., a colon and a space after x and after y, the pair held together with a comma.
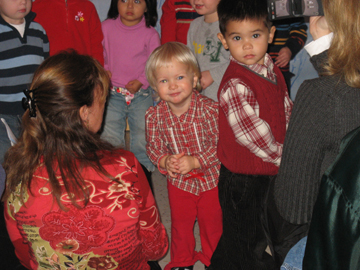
x: 254, y: 112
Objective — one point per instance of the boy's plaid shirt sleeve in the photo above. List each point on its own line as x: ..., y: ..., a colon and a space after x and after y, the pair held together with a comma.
x: 242, y: 111
x: 194, y: 133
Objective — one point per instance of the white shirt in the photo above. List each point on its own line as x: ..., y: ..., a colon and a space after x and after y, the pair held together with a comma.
x: 319, y: 45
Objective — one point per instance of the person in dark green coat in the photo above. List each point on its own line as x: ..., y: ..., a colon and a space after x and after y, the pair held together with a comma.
x: 334, y: 235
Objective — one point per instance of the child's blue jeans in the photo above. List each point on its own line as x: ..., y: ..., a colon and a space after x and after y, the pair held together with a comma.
x: 14, y: 122
x: 294, y: 258
x: 115, y: 123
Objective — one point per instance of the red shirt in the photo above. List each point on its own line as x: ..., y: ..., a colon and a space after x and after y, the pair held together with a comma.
x: 71, y: 24
x: 119, y: 227
x: 195, y: 133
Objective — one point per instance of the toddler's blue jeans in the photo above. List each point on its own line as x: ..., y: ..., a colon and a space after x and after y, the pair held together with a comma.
x: 115, y: 123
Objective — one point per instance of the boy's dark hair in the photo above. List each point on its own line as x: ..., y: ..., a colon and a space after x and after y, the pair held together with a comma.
x: 239, y: 10
x: 150, y: 15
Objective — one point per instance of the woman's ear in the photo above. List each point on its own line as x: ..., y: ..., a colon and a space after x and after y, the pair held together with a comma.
x: 84, y: 113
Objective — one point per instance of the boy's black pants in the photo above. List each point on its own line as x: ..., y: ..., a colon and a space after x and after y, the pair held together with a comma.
x: 243, y: 242
x: 249, y: 224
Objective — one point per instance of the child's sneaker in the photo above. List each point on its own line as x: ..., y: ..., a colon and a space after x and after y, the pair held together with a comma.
x: 183, y: 268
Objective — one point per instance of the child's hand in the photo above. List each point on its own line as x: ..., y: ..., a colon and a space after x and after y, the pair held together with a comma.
x: 133, y: 86
x: 206, y: 79
x: 171, y: 164
x: 284, y: 57
x: 187, y: 164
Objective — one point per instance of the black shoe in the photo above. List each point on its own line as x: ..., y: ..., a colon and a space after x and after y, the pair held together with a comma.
x: 154, y: 265
x: 183, y: 268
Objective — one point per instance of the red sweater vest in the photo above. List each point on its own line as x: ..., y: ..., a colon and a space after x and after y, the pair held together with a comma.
x: 270, y: 96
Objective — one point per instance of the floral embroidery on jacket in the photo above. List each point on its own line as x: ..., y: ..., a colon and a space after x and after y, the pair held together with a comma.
x: 73, y: 261
x: 67, y: 246
x: 80, y: 17
x: 89, y: 227
x: 119, y: 228
x: 101, y: 263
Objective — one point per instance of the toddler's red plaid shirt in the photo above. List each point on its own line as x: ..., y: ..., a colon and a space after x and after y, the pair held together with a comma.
x: 195, y: 133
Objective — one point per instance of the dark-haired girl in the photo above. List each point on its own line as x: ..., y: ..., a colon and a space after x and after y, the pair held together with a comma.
x: 129, y: 39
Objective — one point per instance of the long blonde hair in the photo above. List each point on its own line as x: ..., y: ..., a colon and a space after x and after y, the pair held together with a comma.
x: 344, y: 52
x: 57, y: 135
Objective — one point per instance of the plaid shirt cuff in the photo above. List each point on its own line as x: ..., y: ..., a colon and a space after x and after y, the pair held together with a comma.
x: 159, y: 168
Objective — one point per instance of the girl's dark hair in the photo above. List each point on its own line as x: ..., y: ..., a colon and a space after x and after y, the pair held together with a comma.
x: 150, y: 15
x: 57, y: 137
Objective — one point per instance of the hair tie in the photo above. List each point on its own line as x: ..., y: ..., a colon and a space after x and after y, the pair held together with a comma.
x: 28, y: 102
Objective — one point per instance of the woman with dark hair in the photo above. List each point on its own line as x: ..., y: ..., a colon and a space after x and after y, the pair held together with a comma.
x: 73, y: 201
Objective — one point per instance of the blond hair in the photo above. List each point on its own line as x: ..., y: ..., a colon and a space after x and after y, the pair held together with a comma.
x: 165, y: 54
x: 344, y: 52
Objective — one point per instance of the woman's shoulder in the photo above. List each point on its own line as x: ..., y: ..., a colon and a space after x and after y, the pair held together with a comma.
x: 328, y: 105
x: 332, y: 87
x: 109, y: 158
x: 117, y: 163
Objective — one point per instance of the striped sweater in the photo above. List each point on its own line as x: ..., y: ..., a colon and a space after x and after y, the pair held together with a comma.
x: 19, y: 58
x: 175, y: 20
x: 289, y: 33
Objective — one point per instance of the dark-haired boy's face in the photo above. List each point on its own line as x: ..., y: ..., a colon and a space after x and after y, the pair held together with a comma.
x: 247, y: 40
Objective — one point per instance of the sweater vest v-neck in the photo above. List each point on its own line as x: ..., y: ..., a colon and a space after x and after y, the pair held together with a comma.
x: 270, y: 97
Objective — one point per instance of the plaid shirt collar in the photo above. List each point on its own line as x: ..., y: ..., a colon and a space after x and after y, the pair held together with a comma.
x: 187, y: 117
x: 266, y: 70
